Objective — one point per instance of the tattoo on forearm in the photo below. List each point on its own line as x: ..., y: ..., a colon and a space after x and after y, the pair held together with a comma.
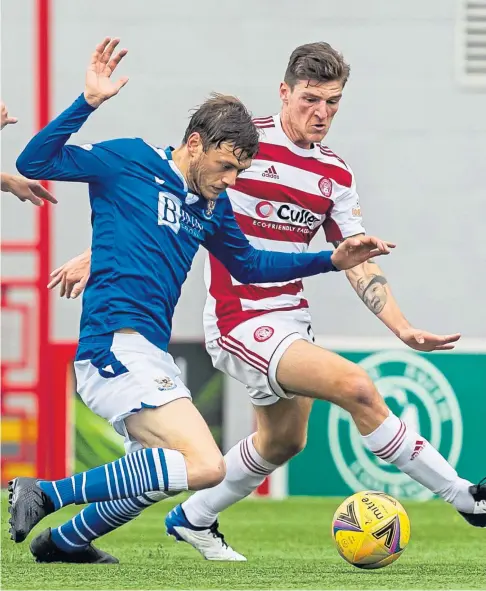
x: 372, y: 290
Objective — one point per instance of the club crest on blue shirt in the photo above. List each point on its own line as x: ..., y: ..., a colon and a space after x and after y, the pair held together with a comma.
x: 210, y: 208
x: 165, y: 383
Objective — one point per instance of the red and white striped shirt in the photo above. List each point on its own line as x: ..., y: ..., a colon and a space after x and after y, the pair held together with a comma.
x: 280, y: 202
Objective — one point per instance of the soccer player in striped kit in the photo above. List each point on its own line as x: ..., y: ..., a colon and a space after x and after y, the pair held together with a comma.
x: 261, y: 334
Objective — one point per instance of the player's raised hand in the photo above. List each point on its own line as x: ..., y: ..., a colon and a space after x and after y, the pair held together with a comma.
x: 358, y: 249
x: 99, y: 85
x: 422, y: 340
x: 72, y: 276
x: 4, y: 116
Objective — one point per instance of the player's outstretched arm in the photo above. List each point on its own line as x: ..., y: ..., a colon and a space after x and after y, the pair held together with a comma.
x: 47, y: 157
x: 371, y: 285
x: 250, y: 265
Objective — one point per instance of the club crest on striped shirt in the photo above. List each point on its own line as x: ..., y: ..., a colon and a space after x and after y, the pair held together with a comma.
x: 325, y: 186
x: 165, y: 383
x: 263, y: 333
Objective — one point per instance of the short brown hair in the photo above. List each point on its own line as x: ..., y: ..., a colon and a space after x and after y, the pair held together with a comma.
x: 316, y: 61
x: 224, y: 119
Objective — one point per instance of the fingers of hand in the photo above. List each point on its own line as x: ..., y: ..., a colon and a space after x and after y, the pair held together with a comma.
x: 437, y: 340
x: 79, y: 287
x: 62, y: 291
x: 57, y: 271
x: 40, y: 191
x: 376, y: 252
x: 383, y: 245
x: 34, y: 199
x: 451, y: 338
x: 109, y: 49
x: 53, y: 282
x: 98, y: 52
x: 70, y: 283
x: 121, y: 83
x: 444, y: 347
x: 113, y: 63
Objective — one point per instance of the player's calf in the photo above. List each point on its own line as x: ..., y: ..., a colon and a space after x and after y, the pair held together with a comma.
x: 282, y: 429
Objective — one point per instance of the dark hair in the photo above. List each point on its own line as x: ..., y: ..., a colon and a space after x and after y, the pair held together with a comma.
x: 316, y: 61
x: 224, y: 119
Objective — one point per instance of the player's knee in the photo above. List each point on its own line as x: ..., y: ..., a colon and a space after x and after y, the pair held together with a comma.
x: 205, y: 472
x: 357, y: 392
x: 214, y: 472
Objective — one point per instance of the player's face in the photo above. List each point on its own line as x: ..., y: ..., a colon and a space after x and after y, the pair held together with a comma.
x: 212, y: 172
x: 309, y: 109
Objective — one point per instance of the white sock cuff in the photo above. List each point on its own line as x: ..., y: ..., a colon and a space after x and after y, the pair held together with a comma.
x: 252, y: 460
x: 176, y: 470
x: 387, y: 438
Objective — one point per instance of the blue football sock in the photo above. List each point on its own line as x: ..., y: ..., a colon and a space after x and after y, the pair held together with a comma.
x: 99, y: 519
x: 131, y: 476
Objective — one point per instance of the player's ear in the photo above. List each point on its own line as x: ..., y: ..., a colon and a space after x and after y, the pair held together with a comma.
x: 284, y: 92
x: 194, y: 144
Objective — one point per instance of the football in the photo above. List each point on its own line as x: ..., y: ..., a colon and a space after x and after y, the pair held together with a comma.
x: 371, y: 529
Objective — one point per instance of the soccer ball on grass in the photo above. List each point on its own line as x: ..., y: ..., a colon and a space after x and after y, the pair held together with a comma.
x: 370, y: 529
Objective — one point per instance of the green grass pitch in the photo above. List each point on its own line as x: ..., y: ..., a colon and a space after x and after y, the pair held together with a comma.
x: 287, y: 543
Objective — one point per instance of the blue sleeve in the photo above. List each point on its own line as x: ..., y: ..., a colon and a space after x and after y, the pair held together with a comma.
x: 47, y: 157
x: 250, y: 265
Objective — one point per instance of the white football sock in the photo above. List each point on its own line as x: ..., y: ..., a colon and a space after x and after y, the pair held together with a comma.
x: 245, y: 471
x: 397, y: 444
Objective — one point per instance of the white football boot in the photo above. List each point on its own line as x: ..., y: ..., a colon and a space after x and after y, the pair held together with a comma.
x: 209, y: 541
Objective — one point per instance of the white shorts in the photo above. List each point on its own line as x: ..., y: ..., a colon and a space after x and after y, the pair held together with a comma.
x: 251, y: 352
x: 124, y: 375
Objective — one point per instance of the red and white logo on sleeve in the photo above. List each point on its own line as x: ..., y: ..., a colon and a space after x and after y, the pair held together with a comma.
x: 263, y: 333
x: 325, y: 186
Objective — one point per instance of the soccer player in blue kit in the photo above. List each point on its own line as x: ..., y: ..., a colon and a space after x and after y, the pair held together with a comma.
x: 151, y: 210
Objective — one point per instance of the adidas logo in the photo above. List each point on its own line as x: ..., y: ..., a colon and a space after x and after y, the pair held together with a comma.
x: 271, y: 173
x: 419, y: 446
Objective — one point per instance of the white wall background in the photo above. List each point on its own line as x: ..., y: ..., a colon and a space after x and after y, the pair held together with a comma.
x: 415, y: 139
